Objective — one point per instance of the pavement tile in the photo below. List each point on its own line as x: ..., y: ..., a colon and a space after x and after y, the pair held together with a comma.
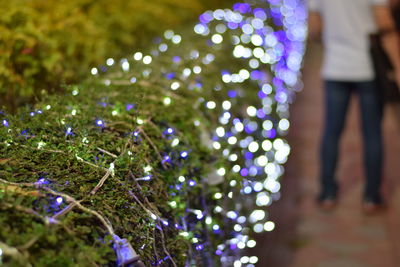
x: 344, y: 237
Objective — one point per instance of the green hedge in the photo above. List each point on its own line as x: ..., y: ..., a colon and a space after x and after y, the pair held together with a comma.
x: 63, y: 147
x: 44, y: 44
x: 228, y: 114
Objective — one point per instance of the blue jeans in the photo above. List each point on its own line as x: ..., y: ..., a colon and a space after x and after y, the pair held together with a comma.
x: 336, y: 102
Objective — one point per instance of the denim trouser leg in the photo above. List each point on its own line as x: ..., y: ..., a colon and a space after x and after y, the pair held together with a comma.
x: 336, y: 103
x: 337, y: 96
x: 371, y: 114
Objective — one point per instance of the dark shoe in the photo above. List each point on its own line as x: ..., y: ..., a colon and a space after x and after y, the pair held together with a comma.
x: 327, y: 203
x: 370, y: 207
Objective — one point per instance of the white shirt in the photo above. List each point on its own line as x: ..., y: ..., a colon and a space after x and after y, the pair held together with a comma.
x: 346, y: 28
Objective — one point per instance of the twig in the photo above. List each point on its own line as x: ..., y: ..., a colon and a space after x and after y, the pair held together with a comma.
x: 106, y: 152
x: 28, y: 244
x: 152, y: 144
x: 15, y: 253
x: 65, y: 210
x: 44, y: 149
x: 46, y: 220
x: 102, y: 180
x: 17, y: 184
x: 163, y: 245
x: 154, y: 246
x: 79, y: 205
x: 89, y: 163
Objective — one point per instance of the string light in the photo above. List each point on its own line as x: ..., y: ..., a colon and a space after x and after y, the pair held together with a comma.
x: 250, y: 106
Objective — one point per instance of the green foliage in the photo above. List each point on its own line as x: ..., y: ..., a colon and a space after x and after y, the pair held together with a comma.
x: 40, y: 146
x: 44, y: 44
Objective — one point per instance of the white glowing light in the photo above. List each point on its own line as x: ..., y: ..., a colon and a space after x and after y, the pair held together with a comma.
x: 125, y: 66
x: 94, y: 71
x: 236, y: 168
x: 147, y: 60
x: 233, y: 157
x: 173, y: 204
x: 267, y: 88
x: 186, y: 72
x: 220, y: 131
x: 253, y: 146
x: 256, y: 40
x: 237, y: 227
x: 263, y: 199
x: 244, y: 259
x: 262, y: 160
x: 269, y: 226
x: 175, y: 85
x: 258, y: 186
x: 272, y: 185
x: 253, y: 63
x: 251, y: 111
x: 110, y: 62
x: 270, y: 168
x: 247, y: 29
x: 175, y: 142
x: 176, y: 39
x: 138, y: 56
x: 211, y: 105
x: 278, y: 144
x: 167, y: 101
x: 266, y: 58
x: 226, y: 105
x: 267, y: 125
x: 168, y: 34
x: 266, y: 145
x: 196, y: 69
x: 238, y: 51
x: 217, y: 39
x: 221, y: 171
x: 139, y: 121
x: 199, y: 29
x: 163, y: 47
x: 216, y: 145
x: 226, y: 78
x: 257, y: 215
x: 41, y: 144
x: 241, y: 245
x: 232, y: 140
x: 258, y: 52
x: 253, y: 259
x: 251, y: 243
x: 239, y: 127
x: 257, y: 23
x: 258, y: 228
x: 244, y: 74
x: 284, y: 124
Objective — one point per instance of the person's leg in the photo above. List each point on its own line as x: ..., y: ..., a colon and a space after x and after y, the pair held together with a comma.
x: 337, y: 96
x: 371, y: 113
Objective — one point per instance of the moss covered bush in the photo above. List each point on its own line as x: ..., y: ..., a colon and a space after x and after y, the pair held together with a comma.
x: 114, y: 149
x: 44, y: 44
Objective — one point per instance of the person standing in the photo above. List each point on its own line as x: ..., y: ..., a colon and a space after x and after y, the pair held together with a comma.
x: 347, y: 68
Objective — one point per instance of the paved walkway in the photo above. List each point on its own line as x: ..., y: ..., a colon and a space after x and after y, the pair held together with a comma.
x: 307, y: 237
